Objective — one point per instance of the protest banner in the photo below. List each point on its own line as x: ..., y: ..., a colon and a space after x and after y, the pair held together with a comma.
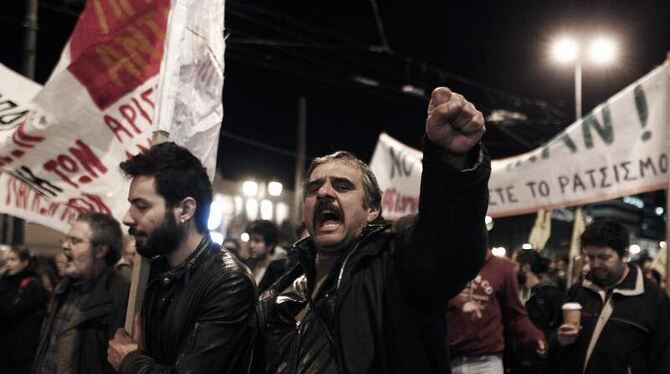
x: 60, y: 151
x: 618, y: 149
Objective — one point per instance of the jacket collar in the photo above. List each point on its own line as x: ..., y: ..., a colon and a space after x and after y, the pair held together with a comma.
x: 187, y: 266
x: 631, y: 285
x: 305, y: 251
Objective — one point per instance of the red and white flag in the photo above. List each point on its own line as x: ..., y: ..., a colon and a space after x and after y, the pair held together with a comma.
x: 99, y: 106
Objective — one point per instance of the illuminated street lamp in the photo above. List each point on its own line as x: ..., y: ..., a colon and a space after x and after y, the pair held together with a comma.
x: 600, y: 51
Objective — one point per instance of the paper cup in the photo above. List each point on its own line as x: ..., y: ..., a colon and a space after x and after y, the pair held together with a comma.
x: 572, y: 313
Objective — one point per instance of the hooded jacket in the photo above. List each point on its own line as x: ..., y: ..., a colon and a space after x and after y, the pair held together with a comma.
x: 382, y: 309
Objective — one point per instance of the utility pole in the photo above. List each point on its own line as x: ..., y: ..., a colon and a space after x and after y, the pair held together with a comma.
x: 301, y: 135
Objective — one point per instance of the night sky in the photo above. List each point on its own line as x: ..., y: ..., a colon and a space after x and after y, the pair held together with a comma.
x: 494, y: 52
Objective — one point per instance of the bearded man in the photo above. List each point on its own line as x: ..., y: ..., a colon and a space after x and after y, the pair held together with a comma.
x: 368, y: 296
x: 625, y: 318
x: 198, y: 311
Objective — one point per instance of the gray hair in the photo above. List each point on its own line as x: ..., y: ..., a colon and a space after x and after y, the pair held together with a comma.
x: 105, y: 230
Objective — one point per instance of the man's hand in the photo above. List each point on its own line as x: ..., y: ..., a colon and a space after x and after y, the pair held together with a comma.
x: 567, y: 334
x: 123, y: 343
x: 541, y: 349
x: 472, y: 309
x: 453, y: 123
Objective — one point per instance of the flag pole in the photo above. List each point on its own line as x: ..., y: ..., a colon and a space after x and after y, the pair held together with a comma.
x: 667, y: 187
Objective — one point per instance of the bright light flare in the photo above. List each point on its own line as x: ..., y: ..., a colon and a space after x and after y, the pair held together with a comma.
x: 527, y: 246
x: 634, y: 249
x: 275, y: 188
x: 250, y: 188
x: 499, y: 251
x: 602, y: 51
x: 564, y: 50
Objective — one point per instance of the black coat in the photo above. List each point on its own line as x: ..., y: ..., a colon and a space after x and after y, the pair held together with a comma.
x: 82, y: 345
x: 23, y: 305
x: 383, y: 307
x: 636, y: 337
x: 198, y: 317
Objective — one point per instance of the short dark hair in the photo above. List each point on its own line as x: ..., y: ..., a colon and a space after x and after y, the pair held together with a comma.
x: 21, y: 252
x: 105, y: 230
x: 267, y: 229
x: 607, y: 232
x: 538, y: 264
x: 373, y: 194
x: 178, y: 174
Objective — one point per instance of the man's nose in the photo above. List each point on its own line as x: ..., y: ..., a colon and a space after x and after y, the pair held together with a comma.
x: 326, y: 190
x: 127, y: 219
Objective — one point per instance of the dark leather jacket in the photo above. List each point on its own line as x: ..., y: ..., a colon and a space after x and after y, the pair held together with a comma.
x: 383, y: 307
x: 198, y: 317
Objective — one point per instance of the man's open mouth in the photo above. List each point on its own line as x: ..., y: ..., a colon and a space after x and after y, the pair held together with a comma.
x: 327, y: 215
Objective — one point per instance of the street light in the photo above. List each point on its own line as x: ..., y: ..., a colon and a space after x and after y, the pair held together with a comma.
x: 600, y: 51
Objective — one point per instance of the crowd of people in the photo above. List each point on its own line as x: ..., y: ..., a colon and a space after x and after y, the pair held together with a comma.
x: 355, y: 294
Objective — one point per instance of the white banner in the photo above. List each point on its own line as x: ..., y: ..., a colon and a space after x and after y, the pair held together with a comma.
x: 97, y: 110
x: 618, y: 149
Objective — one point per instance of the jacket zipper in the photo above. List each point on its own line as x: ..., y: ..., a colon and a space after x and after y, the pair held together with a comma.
x: 293, y: 362
x: 346, y: 259
x: 295, y: 347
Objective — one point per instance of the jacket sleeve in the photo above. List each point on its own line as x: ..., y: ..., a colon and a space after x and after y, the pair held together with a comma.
x: 32, y: 298
x: 446, y: 245
x: 659, y: 346
x: 220, y: 337
x: 514, y: 313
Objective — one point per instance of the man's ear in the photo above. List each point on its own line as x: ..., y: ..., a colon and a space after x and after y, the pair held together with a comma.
x: 525, y: 268
x: 373, y: 213
x: 186, y: 209
x: 100, y: 251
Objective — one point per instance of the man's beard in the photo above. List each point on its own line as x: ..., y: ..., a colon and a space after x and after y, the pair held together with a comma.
x: 163, y: 240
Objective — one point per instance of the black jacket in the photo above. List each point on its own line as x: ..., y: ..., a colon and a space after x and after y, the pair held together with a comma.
x: 383, y: 307
x: 82, y: 345
x: 23, y: 305
x: 635, y: 338
x: 198, y: 317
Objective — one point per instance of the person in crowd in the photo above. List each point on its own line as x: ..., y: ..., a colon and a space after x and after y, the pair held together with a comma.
x: 625, y: 318
x: 477, y: 316
x: 23, y: 304
x: 266, y: 268
x: 198, y: 313
x: 125, y: 264
x: 542, y: 299
x: 232, y: 246
x: 89, y: 304
x: 540, y: 294
x: 61, y: 264
x: 368, y: 296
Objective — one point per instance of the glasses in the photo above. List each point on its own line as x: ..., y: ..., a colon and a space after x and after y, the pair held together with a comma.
x: 74, y: 240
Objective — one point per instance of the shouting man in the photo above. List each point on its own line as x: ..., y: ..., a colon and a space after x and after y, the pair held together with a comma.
x: 369, y: 297
x: 198, y: 310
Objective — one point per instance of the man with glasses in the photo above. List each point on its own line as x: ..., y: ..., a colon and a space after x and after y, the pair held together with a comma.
x: 89, y: 304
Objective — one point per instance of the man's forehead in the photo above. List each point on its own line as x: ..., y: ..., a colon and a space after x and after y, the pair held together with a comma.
x: 80, y: 229
x: 598, y: 250
x: 336, y: 169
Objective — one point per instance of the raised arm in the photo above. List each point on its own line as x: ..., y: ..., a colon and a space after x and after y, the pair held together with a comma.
x: 445, y: 247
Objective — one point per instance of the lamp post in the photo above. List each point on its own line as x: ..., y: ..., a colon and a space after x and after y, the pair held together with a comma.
x: 599, y: 51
